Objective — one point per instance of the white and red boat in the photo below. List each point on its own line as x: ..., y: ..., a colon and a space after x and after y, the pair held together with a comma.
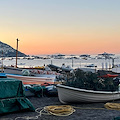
x: 33, y: 79
x: 43, y: 73
x: 31, y: 71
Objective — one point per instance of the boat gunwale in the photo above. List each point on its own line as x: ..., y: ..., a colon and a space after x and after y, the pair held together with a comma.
x: 85, y: 90
x: 27, y: 76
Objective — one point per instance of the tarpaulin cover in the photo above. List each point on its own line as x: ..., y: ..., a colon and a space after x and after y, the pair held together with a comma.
x: 12, y: 96
x: 38, y: 90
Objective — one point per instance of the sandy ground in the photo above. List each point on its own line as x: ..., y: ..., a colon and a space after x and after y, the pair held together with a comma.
x: 79, y: 114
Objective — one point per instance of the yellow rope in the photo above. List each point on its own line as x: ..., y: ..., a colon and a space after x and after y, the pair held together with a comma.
x: 59, y: 110
x: 112, y: 106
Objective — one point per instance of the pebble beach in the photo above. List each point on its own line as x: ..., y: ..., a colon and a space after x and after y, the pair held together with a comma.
x: 83, y: 111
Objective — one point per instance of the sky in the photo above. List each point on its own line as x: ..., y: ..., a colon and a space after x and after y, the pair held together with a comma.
x: 61, y: 26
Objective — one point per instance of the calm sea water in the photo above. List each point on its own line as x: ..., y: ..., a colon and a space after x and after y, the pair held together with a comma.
x: 75, y: 63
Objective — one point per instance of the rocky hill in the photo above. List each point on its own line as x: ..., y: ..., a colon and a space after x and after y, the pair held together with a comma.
x: 7, y: 51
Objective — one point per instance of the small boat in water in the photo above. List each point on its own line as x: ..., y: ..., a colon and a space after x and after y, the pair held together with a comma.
x: 68, y: 94
x: 91, y: 65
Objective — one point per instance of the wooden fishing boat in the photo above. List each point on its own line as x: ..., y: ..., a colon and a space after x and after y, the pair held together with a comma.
x: 12, y: 70
x: 68, y: 94
x: 43, y: 73
x: 32, y: 79
x: 32, y: 71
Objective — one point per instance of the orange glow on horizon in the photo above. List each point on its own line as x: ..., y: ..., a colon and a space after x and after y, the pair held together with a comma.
x: 79, y: 42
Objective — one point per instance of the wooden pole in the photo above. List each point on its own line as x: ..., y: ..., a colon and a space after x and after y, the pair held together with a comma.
x: 51, y: 61
x: 72, y: 62
x: 113, y: 62
x: 2, y: 60
x: 16, y: 52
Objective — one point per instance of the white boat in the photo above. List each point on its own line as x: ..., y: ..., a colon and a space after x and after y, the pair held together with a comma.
x: 57, y: 68
x: 33, y: 79
x: 68, y: 94
x: 88, y: 70
x: 116, y: 68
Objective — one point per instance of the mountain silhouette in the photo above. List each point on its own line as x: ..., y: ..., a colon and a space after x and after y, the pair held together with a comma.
x: 8, y: 51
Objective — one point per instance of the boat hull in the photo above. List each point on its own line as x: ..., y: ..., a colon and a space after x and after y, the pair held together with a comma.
x: 68, y: 94
x: 33, y: 72
x: 12, y: 70
x: 33, y: 80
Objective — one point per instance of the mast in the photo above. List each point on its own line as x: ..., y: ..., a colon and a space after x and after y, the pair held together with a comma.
x: 72, y: 62
x: 16, y: 52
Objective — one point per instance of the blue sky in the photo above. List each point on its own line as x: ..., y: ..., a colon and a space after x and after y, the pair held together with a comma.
x: 58, y: 22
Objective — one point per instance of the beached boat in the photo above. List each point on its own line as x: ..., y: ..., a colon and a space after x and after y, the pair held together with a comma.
x: 12, y: 70
x: 89, y: 70
x: 31, y: 71
x: 62, y: 68
x: 116, y: 68
x: 68, y: 94
x: 33, y: 79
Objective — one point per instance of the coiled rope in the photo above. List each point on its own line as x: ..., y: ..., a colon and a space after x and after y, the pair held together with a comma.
x: 112, y: 106
x: 59, y: 110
